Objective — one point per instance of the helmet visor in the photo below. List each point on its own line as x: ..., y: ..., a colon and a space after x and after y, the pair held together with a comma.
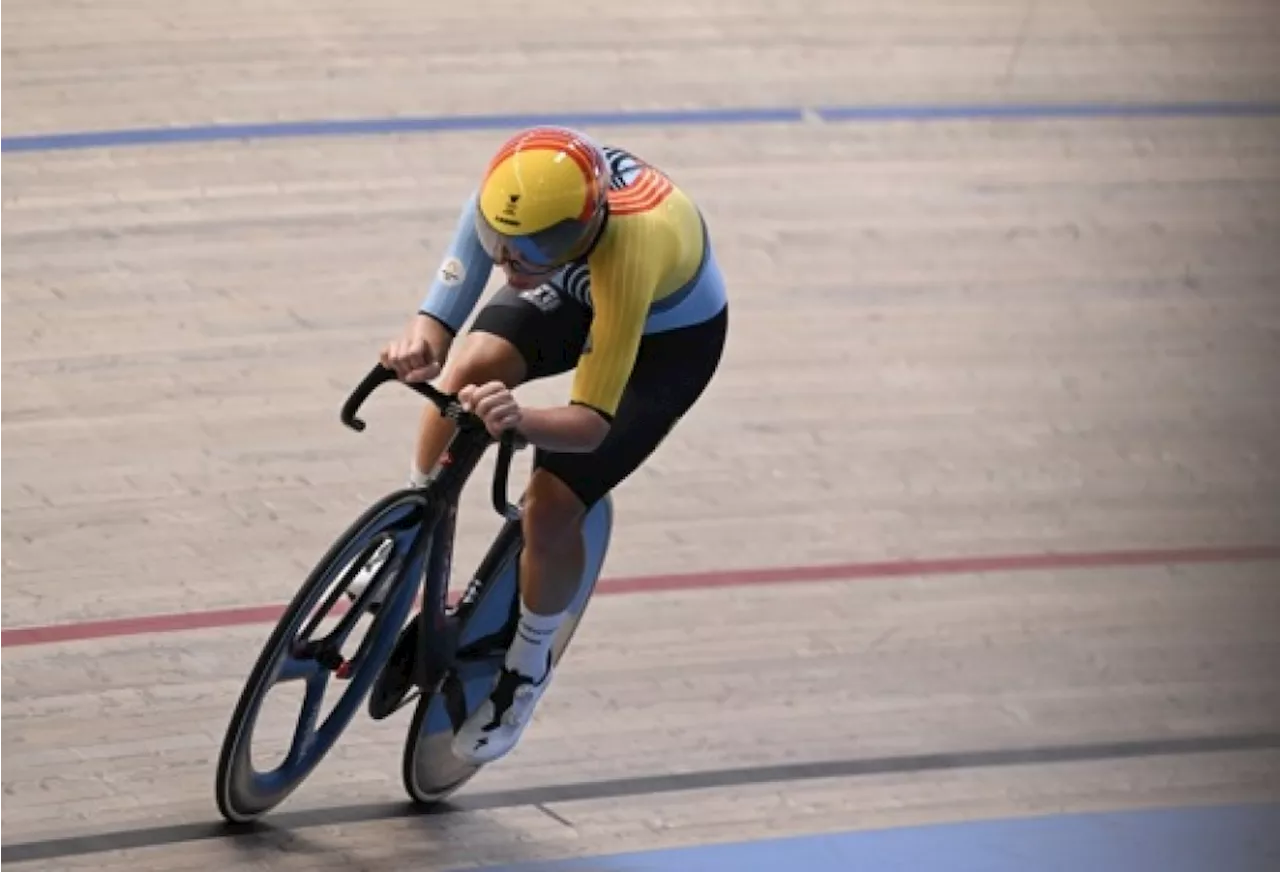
x: 535, y: 252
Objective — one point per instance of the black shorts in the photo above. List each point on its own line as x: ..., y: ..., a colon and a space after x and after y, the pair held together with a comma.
x: 671, y: 371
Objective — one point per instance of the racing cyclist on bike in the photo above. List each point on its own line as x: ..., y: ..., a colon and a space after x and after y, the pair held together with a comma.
x: 609, y: 273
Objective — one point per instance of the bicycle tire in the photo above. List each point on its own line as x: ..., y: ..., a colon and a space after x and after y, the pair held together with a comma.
x: 429, y: 771
x: 241, y: 792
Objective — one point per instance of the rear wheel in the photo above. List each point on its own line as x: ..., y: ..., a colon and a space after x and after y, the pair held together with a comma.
x: 430, y: 770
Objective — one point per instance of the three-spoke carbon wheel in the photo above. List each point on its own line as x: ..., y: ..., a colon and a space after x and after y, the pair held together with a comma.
x: 326, y: 636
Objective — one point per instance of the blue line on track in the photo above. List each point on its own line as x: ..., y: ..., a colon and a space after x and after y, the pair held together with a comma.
x: 1047, y: 111
x: 654, y: 118
x: 1205, y: 839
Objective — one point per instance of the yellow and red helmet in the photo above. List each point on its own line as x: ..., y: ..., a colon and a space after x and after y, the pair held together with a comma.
x: 543, y: 199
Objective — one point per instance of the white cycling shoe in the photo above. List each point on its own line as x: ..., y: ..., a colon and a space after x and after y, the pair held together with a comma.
x: 370, y: 569
x: 365, y: 576
x: 495, y: 727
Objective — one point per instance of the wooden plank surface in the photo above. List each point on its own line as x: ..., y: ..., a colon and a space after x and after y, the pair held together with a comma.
x: 950, y: 338
x: 121, y: 735
x: 76, y: 66
x: 990, y: 339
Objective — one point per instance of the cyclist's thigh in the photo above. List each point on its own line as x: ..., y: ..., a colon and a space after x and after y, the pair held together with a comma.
x: 672, y: 370
x: 546, y: 327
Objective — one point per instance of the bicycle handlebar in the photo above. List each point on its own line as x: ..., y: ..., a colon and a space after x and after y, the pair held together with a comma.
x: 450, y: 407
x: 379, y: 376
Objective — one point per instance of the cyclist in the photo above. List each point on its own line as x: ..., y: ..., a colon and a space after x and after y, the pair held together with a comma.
x: 609, y: 273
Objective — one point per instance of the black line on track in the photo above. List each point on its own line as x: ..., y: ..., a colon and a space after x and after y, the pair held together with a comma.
x: 151, y: 837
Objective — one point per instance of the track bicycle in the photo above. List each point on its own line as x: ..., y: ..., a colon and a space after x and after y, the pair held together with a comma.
x: 444, y: 659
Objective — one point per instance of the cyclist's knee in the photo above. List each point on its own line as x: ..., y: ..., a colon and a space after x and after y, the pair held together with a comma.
x: 552, y: 513
x: 482, y: 358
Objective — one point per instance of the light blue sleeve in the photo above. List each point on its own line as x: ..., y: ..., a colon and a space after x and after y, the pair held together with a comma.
x: 458, y: 283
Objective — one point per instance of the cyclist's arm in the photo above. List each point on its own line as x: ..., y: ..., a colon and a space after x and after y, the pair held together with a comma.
x: 464, y: 272
x: 566, y: 429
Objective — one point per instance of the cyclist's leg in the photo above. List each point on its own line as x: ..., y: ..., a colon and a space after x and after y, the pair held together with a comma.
x: 671, y: 372
x: 518, y: 336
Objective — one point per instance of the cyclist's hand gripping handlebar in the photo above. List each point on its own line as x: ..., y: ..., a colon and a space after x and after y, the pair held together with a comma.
x: 450, y: 407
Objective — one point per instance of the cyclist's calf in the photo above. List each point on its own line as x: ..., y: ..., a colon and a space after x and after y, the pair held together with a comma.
x: 553, y: 547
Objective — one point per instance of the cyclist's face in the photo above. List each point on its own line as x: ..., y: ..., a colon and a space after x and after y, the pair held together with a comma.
x: 525, y: 269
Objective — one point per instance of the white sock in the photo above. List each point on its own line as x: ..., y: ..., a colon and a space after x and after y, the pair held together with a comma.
x: 417, y: 478
x: 528, y: 654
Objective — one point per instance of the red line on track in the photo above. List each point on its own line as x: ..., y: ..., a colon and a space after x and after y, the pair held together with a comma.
x: 169, y: 623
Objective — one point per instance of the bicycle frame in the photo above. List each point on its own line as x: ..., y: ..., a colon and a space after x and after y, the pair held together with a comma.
x: 439, y: 630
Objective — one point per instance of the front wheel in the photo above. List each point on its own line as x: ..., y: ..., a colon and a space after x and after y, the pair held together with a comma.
x: 311, y: 644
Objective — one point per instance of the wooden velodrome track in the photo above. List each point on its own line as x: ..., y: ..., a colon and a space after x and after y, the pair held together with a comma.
x: 1037, y: 352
